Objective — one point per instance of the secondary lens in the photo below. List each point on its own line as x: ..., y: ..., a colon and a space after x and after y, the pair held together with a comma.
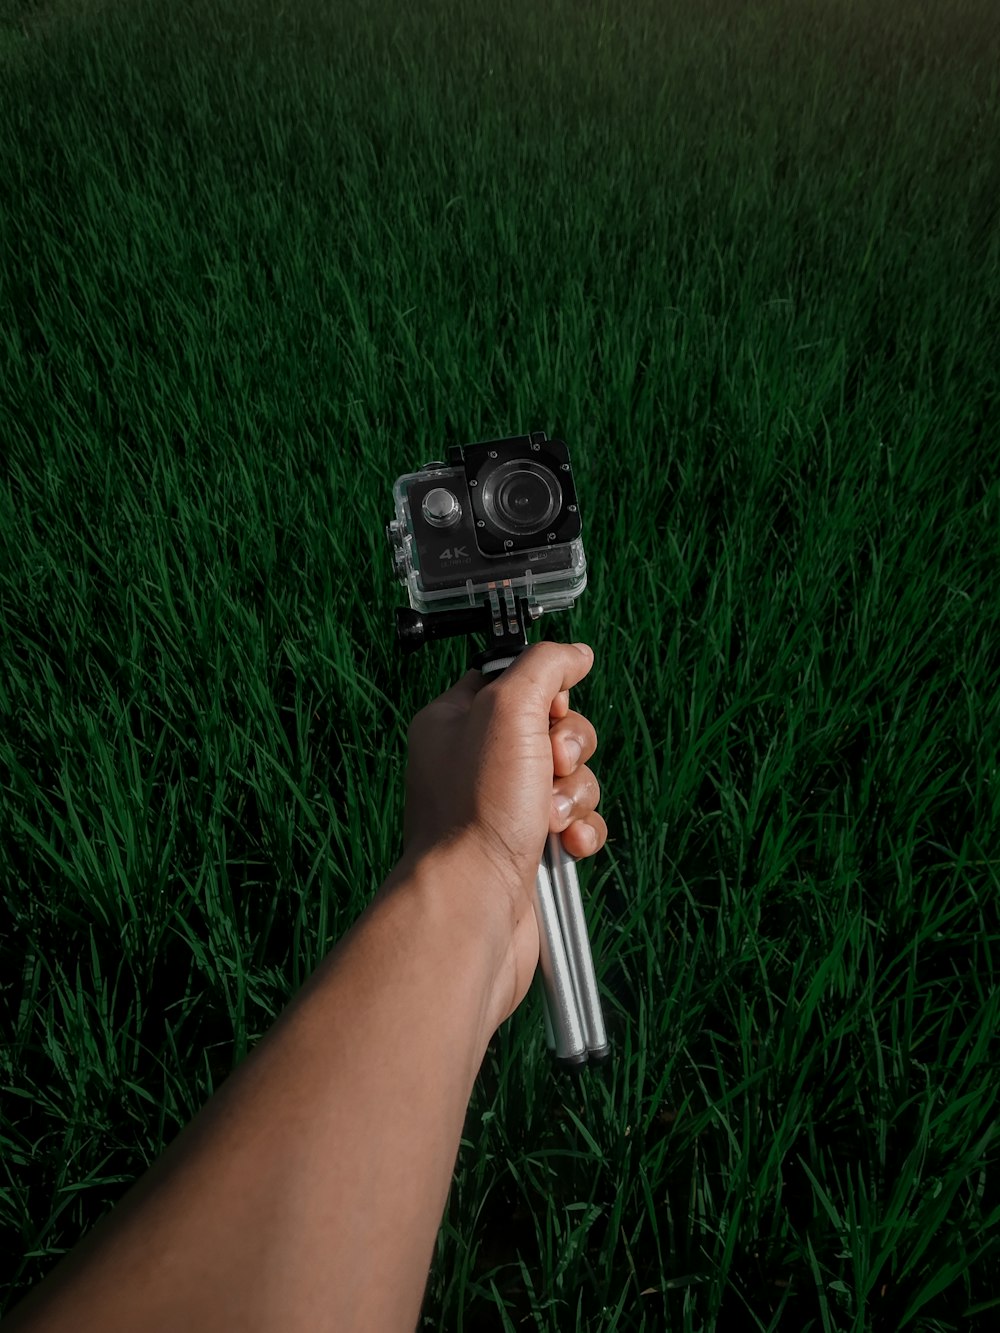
x: 522, y: 497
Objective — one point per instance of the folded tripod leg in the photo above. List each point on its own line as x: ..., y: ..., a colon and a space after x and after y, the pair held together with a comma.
x: 580, y: 959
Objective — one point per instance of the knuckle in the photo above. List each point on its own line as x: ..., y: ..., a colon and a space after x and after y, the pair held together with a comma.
x: 588, y: 789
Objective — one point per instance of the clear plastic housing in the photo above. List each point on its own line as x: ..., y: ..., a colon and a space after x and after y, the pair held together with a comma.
x: 550, y: 578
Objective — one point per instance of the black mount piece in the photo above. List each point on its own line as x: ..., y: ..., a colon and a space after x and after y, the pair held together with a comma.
x: 503, y: 623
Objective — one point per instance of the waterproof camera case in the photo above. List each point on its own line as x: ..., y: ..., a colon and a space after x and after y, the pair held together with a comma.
x: 502, y: 513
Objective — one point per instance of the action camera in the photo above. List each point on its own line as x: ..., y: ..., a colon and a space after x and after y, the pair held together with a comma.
x: 502, y: 513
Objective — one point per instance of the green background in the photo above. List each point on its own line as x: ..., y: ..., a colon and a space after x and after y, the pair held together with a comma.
x: 258, y: 261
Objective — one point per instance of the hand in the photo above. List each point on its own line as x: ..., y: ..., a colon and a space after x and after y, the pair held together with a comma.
x: 485, y: 763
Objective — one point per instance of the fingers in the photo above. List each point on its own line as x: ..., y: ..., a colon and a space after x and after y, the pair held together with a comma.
x: 585, y: 837
x: 571, y: 730
x: 560, y: 705
x: 582, y: 790
x: 574, y: 740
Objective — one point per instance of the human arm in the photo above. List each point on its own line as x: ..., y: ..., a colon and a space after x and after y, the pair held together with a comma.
x: 308, y: 1192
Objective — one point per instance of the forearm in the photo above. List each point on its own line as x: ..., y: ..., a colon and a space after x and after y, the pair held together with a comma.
x: 308, y: 1192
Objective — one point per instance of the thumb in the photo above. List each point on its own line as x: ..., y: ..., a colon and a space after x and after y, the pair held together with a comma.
x: 548, y: 666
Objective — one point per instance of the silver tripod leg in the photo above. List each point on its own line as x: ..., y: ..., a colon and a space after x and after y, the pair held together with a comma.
x: 571, y: 1005
x: 569, y: 905
x: 562, y: 1010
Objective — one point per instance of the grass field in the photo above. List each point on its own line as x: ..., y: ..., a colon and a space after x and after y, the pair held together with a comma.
x: 745, y: 260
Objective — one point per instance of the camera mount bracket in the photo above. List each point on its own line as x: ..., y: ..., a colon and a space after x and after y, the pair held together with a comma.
x: 503, y: 622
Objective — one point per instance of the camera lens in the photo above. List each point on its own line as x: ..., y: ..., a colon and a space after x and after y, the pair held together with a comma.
x: 521, y: 497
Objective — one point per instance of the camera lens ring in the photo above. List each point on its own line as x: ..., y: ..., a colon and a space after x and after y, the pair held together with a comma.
x: 540, y: 506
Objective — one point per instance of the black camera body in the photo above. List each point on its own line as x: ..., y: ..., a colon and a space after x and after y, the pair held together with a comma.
x: 500, y: 514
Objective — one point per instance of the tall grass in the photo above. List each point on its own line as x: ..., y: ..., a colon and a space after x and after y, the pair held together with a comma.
x: 258, y: 260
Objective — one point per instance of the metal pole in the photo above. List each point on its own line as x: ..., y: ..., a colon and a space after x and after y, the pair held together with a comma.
x: 569, y: 906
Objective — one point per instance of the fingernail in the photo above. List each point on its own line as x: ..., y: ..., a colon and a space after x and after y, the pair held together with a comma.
x: 562, y: 805
x: 589, y: 836
x: 586, y: 649
x: 573, y: 751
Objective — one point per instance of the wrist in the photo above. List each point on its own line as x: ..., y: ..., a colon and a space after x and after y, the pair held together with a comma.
x: 463, y: 904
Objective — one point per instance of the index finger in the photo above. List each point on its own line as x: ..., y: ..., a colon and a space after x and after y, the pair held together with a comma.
x: 560, y: 706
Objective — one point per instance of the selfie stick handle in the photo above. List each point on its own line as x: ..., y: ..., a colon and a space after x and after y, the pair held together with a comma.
x: 574, y: 1023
